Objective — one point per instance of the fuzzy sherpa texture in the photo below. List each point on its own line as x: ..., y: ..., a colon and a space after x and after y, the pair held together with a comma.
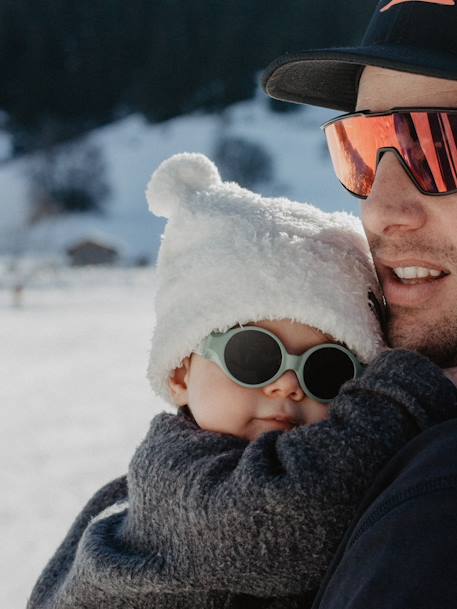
x: 230, y: 256
x: 211, y: 522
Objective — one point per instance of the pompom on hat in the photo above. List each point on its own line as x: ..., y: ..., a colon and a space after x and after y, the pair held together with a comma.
x: 229, y: 256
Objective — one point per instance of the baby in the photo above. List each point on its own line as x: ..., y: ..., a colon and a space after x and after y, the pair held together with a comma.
x: 231, y: 260
x: 267, y: 313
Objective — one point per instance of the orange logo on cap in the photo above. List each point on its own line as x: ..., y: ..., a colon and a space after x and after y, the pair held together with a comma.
x: 394, y: 2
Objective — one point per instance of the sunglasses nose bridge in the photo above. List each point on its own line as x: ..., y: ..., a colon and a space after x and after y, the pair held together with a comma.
x: 380, y: 153
x: 382, y: 150
x: 295, y: 363
x: 291, y: 362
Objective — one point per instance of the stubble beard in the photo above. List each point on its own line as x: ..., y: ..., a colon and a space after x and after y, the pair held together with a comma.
x: 431, y: 331
x: 436, y: 339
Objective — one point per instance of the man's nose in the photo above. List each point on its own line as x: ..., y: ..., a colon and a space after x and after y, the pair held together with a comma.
x: 286, y: 386
x: 395, y: 205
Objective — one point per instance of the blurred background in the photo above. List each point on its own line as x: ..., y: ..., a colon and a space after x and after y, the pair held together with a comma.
x: 93, y: 96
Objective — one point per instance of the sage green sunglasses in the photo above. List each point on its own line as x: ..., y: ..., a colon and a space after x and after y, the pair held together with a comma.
x: 254, y: 357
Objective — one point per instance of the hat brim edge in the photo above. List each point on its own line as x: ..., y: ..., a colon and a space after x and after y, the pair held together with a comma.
x: 338, y: 71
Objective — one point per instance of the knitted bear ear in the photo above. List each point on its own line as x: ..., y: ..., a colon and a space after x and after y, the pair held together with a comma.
x: 177, y: 179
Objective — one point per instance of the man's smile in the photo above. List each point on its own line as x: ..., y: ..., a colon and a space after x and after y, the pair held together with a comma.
x: 411, y: 282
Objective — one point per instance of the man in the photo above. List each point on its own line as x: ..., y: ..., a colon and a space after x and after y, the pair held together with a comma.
x: 401, y: 550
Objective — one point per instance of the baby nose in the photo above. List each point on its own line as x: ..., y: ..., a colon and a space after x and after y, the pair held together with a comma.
x: 286, y: 386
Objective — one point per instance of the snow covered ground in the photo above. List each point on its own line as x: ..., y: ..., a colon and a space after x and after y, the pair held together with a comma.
x: 74, y: 405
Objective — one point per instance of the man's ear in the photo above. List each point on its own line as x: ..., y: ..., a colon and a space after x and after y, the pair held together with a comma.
x: 178, y: 383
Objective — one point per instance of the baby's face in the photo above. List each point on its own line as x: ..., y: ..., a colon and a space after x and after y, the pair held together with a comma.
x: 219, y: 404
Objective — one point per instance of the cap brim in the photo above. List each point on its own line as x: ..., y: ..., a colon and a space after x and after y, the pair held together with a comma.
x: 330, y: 77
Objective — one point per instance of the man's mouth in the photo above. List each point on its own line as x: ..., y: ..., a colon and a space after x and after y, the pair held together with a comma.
x: 412, y: 275
x: 411, y: 282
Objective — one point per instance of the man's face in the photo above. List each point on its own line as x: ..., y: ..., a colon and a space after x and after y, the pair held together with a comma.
x: 411, y: 234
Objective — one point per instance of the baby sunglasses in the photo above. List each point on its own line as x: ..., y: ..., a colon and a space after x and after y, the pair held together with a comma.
x: 253, y: 357
x: 424, y: 141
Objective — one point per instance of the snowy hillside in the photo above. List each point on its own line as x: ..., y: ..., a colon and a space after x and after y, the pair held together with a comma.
x: 133, y: 149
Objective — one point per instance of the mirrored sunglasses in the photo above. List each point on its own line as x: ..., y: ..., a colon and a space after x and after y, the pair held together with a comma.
x: 424, y: 141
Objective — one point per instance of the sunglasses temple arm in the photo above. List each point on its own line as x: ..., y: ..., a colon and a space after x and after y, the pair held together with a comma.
x: 208, y: 349
x: 361, y: 369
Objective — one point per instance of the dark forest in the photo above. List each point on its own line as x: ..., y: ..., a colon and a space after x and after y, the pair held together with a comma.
x: 67, y: 67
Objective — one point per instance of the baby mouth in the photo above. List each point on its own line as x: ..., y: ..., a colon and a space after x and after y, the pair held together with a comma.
x: 412, y: 275
x: 282, y: 418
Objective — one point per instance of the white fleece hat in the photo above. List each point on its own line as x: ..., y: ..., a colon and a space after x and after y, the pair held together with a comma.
x: 230, y: 256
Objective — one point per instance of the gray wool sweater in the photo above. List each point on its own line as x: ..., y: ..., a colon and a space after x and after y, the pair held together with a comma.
x: 205, y: 520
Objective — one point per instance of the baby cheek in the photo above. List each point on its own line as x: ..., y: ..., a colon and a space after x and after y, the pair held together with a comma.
x: 316, y: 412
x: 219, y: 404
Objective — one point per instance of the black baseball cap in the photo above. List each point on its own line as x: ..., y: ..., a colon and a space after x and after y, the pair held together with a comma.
x: 418, y: 36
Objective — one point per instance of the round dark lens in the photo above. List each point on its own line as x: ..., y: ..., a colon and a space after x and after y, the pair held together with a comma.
x: 326, y: 370
x: 252, y: 357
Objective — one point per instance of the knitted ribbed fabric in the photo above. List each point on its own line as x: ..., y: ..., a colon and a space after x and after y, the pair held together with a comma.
x: 210, y: 521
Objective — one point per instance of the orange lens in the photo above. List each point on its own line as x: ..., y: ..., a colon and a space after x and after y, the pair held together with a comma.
x: 424, y: 141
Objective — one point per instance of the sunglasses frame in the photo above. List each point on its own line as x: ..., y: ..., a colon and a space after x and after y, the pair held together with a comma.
x: 213, y: 348
x: 381, y: 151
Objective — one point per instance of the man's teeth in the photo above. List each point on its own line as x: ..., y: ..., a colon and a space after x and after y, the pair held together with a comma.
x: 415, y: 272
